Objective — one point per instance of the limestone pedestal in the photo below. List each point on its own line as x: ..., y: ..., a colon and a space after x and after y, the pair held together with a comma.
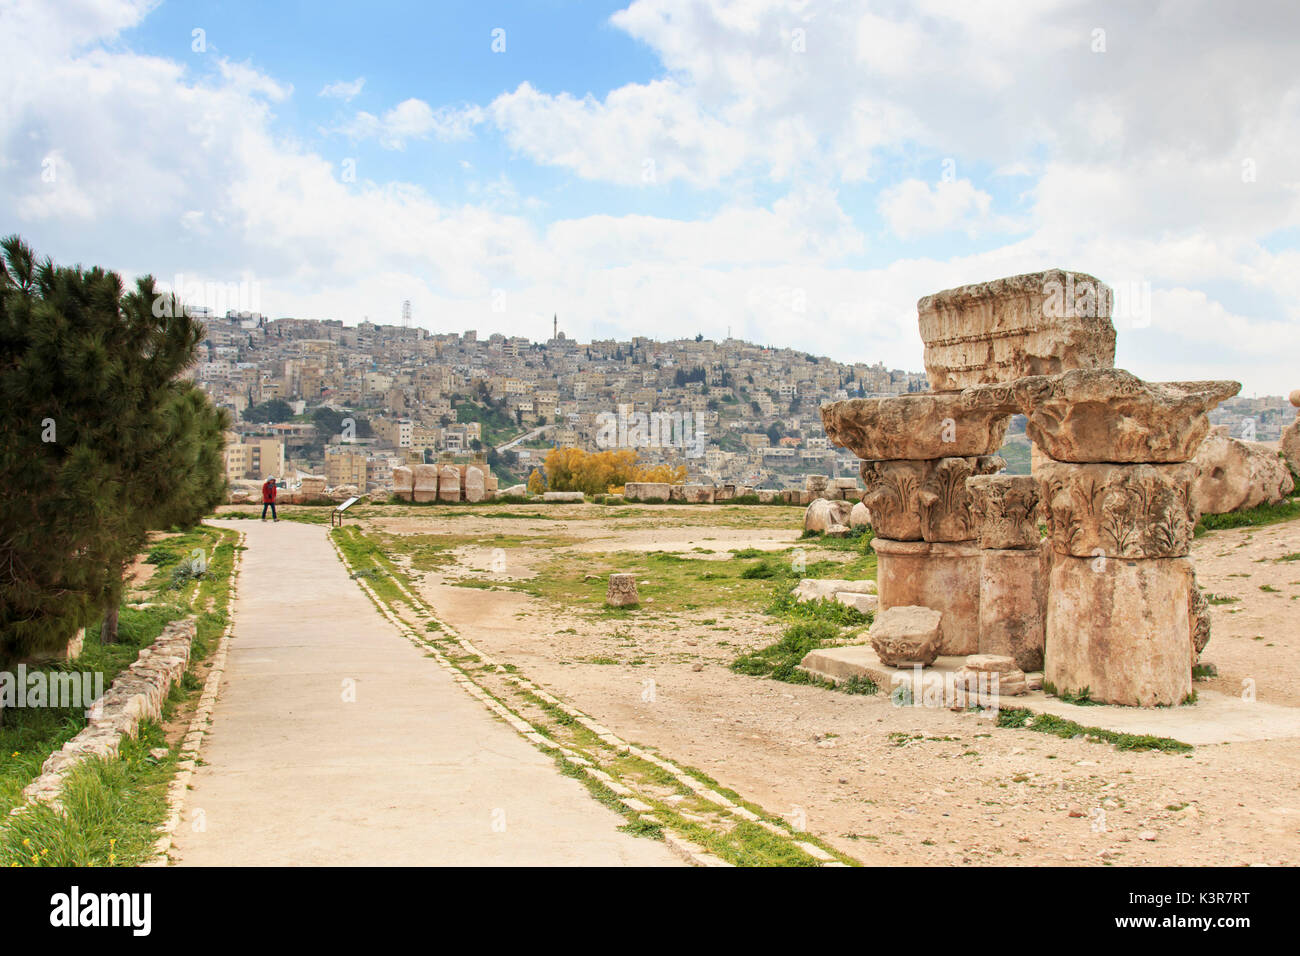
x: 1120, y: 628
x: 941, y: 575
x: 425, y: 483
x: 449, y: 483
x: 1013, y: 603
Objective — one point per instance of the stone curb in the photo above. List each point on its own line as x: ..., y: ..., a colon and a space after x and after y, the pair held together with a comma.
x: 690, y: 852
x: 137, y: 694
x: 198, y: 728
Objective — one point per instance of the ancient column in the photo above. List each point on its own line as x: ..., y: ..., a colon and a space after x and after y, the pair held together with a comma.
x: 918, y: 450
x: 448, y: 483
x: 424, y: 480
x: 1116, y: 493
x: 1014, y: 566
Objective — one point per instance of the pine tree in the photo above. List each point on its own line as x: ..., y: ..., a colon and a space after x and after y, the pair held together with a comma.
x: 99, y: 442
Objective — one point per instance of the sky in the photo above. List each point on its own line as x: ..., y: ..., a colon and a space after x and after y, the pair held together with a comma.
x: 790, y: 173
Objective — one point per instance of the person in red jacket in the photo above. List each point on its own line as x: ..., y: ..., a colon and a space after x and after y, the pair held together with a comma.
x: 268, y: 498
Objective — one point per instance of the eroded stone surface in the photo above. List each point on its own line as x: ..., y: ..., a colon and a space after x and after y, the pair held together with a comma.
x: 1198, y: 619
x: 996, y: 674
x: 1108, y: 414
x: 914, y: 426
x: 1035, y: 324
x: 1290, y: 446
x: 1013, y: 604
x: 941, y: 575
x: 1232, y: 474
x: 1119, y: 511
x: 815, y: 589
x: 1120, y: 630
x: 622, y: 591
x: 902, y: 636
x: 859, y: 515
x: 923, y: 500
x: 425, y: 482
x: 475, y: 484
x: 449, y: 483
x: 823, y: 514
x: 1005, y: 510
x: 647, y: 490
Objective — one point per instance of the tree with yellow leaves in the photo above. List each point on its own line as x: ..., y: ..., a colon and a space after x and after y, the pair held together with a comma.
x: 598, y: 473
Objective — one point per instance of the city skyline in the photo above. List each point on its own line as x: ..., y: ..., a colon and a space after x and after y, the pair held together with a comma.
x: 798, y: 174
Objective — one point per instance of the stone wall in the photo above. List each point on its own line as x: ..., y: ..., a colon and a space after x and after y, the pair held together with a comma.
x: 137, y: 694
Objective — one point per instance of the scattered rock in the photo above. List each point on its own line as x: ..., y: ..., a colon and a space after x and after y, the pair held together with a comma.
x: 1234, y: 475
x: 622, y: 591
x: 823, y: 514
x: 906, y: 635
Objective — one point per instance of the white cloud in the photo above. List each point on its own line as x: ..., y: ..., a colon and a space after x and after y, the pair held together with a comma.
x: 343, y: 90
x: 915, y: 208
x: 413, y: 119
x: 1135, y: 161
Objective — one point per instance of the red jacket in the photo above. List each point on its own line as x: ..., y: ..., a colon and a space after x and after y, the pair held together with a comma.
x: 268, y: 491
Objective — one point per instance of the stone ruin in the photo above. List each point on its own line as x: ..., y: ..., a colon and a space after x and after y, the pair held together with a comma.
x: 1108, y: 600
x: 444, y: 483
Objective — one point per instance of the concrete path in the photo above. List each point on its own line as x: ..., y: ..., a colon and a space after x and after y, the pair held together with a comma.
x: 414, y: 772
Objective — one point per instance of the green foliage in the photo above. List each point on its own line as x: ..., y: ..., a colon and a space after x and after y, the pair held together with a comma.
x: 272, y: 410
x: 1259, y: 516
x: 1019, y: 718
x: 100, y: 440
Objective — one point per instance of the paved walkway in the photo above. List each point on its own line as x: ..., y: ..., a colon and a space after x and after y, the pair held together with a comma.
x: 414, y: 772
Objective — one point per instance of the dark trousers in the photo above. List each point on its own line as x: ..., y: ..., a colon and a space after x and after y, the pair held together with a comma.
x: 271, y: 505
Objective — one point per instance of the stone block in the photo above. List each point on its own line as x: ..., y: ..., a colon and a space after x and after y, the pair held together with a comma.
x: 1005, y: 510
x: 941, y: 575
x: 816, y: 589
x: 1035, y: 324
x: 1013, y: 604
x: 917, y: 426
x: 475, y: 484
x: 859, y: 516
x: 990, y: 674
x: 622, y: 591
x: 923, y: 500
x: 449, y: 483
x: 313, y: 486
x: 572, y: 497
x: 1233, y: 475
x: 698, y: 494
x: 1108, y: 414
x: 822, y: 514
x: 862, y: 603
x: 645, y: 490
x: 1120, y: 629
x: 424, y: 482
x: 906, y: 635
x: 1120, y: 511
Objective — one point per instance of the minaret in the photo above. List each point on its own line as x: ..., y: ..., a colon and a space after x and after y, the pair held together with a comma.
x: 555, y: 325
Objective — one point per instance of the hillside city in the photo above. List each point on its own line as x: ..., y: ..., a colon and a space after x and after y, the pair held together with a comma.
x: 316, y: 396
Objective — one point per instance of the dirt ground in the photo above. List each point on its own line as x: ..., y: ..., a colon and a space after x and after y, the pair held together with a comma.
x: 883, y: 783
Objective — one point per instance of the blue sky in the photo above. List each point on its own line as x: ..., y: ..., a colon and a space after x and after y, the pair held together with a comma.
x: 799, y: 172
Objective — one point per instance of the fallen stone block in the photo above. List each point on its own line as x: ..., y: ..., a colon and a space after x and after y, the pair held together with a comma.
x: 906, y: 635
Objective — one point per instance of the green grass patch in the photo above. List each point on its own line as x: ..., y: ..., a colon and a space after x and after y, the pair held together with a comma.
x: 1259, y: 516
x: 1020, y: 719
x: 112, y: 809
